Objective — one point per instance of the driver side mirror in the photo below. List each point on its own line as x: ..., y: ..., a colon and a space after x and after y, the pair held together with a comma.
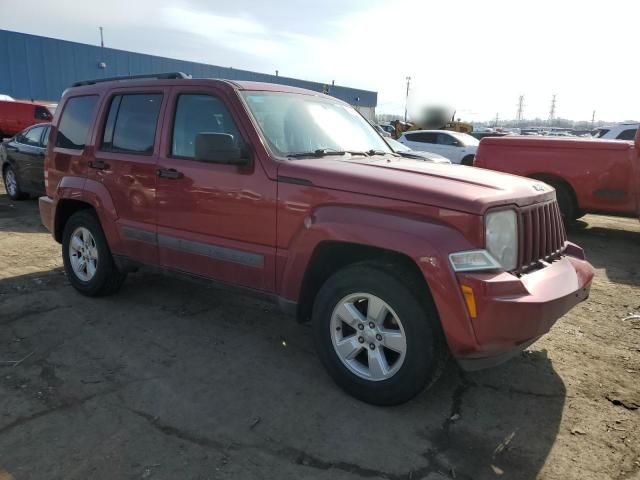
x: 218, y: 148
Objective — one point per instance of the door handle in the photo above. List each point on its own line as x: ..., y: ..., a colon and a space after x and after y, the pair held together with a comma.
x: 170, y: 173
x: 98, y: 164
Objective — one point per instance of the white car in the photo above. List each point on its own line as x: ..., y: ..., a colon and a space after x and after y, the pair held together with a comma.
x: 406, y: 152
x: 621, y: 131
x: 458, y: 147
x: 6, y: 98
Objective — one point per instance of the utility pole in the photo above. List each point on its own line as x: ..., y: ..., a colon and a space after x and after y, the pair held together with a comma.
x: 593, y: 119
x: 520, y: 110
x: 406, y: 98
x: 552, y: 110
x: 497, y: 120
x: 101, y: 38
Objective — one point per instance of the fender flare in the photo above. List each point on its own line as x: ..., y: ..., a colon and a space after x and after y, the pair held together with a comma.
x: 422, y: 239
x: 93, y: 193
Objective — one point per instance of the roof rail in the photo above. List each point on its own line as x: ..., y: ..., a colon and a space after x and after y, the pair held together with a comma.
x: 161, y: 76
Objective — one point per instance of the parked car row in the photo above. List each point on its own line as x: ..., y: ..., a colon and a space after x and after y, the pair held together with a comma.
x: 396, y: 262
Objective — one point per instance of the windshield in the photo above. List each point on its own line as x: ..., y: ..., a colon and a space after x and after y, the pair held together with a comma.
x: 397, y: 146
x: 599, y: 132
x: 296, y: 124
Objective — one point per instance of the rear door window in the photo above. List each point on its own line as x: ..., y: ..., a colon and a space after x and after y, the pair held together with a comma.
x: 75, y: 122
x: 131, y: 123
x: 198, y: 113
x: 629, y: 134
x: 422, y: 137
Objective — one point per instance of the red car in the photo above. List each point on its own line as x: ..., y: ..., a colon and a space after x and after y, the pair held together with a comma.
x: 589, y: 176
x: 16, y: 116
x: 292, y: 195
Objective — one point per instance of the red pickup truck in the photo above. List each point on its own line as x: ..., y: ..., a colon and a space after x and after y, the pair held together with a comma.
x: 589, y: 175
x: 292, y: 195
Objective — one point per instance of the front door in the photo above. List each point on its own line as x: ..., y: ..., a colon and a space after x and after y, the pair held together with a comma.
x: 214, y: 220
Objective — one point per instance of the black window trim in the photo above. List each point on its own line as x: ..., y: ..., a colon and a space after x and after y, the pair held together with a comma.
x: 177, y: 96
x: 105, y: 118
x: 66, y: 104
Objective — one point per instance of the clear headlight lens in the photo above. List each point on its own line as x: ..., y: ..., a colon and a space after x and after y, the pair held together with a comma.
x: 473, y: 260
x: 501, y: 234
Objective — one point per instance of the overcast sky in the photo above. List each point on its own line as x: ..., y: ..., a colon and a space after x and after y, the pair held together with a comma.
x: 474, y: 56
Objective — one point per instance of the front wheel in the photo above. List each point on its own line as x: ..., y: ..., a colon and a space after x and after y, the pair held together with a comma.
x: 375, y: 335
x: 468, y: 160
x: 87, y: 259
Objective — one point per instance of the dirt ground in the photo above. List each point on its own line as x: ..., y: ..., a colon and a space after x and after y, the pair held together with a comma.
x: 170, y: 380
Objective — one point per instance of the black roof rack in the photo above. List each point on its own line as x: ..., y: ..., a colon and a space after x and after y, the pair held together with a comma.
x: 161, y: 76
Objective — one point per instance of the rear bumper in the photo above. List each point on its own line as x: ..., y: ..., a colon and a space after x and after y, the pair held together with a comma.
x: 45, y: 205
x: 513, y: 312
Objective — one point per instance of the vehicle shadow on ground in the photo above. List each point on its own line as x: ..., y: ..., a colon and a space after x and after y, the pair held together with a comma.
x: 610, y: 249
x: 226, y: 381
x: 13, y: 214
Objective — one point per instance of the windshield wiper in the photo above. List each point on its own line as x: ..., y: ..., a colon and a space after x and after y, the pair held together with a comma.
x: 372, y: 152
x: 323, y: 152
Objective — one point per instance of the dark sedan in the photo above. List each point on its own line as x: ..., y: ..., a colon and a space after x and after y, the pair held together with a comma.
x: 22, y: 162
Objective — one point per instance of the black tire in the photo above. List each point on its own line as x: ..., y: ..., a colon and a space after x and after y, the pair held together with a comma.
x: 107, y: 278
x: 566, y: 203
x: 15, y: 193
x: 426, y: 350
x: 468, y: 160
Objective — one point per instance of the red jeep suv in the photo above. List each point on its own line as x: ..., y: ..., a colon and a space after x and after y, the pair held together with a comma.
x: 292, y: 195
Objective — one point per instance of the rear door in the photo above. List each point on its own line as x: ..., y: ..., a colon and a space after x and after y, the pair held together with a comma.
x: 125, y: 158
x: 214, y: 220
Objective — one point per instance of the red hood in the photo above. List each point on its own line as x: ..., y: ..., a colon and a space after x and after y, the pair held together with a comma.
x: 455, y: 187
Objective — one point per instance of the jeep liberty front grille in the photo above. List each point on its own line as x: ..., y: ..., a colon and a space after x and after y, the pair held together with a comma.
x: 541, y: 234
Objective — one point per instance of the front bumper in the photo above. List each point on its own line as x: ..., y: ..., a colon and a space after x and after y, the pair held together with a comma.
x: 513, y: 312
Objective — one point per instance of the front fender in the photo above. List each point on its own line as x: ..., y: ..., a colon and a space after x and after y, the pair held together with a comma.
x: 426, y: 241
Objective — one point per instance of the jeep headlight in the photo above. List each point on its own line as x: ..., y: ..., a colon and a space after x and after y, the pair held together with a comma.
x: 501, y: 237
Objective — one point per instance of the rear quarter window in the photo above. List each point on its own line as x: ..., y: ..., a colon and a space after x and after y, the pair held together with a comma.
x: 75, y: 122
x: 629, y: 134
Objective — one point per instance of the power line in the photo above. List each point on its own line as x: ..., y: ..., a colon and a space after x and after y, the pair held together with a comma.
x: 552, y: 110
x: 520, y: 112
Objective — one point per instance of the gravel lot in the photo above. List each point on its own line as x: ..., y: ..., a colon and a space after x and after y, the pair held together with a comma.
x: 171, y: 380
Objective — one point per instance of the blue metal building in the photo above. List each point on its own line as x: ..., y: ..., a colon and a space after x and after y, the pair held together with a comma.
x: 40, y: 68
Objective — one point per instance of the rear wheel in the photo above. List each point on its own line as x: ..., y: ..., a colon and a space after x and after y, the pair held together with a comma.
x: 566, y: 203
x: 12, y: 185
x: 87, y: 259
x: 375, y: 336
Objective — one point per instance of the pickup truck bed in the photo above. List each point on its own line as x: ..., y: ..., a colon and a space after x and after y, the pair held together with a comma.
x: 590, y: 176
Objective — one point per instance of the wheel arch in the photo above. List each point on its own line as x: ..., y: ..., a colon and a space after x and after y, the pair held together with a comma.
x: 554, y: 180
x: 329, y: 256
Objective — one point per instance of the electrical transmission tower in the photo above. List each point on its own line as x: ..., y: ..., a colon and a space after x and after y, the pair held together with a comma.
x: 552, y: 110
x: 520, y: 109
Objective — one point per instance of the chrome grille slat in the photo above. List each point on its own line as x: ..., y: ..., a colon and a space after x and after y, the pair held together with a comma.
x: 541, y: 234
